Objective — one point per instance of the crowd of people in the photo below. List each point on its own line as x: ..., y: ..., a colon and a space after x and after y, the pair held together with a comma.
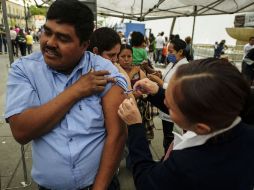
x: 88, y: 95
x: 21, y: 41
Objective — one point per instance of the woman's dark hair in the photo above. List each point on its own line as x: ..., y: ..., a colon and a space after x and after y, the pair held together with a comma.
x: 178, y: 45
x: 125, y: 46
x: 74, y: 13
x: 137, y: 39
x: 210, y: 91
x: 104, y: 39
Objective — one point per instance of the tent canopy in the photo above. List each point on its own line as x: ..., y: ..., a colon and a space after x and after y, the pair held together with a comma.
x: 142, y: 10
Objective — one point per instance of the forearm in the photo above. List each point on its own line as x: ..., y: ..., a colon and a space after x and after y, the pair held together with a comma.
x: 158, y: 100
x: 35, y: 122
x: 110, y: 160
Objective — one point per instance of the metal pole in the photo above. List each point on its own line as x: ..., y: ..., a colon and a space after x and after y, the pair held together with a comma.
x: 193, y: 28
x: 7, y: 31
x: 24, y: 164
x: 96, y: 19
x: 25, y: 12
x: 141, y: 11
x: 194, y: 23
x: 172, y: 26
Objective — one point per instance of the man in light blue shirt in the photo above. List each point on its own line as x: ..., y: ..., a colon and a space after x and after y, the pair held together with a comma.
x: 61, y: 100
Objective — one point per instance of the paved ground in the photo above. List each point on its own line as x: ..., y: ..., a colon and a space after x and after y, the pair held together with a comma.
x: 12, y: 175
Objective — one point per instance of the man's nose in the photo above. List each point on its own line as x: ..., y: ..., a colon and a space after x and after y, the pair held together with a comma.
x: 52, y: 41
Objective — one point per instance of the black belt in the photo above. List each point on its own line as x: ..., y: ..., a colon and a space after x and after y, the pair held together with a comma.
x: 85, y: 188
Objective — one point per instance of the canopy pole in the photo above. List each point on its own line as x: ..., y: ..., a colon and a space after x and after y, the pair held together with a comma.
x: 194, y: 23
x: 7, y: 31
x: 96, y: 19
x: 172, y: 26
x: 193, y: 28
x: 141, y: 11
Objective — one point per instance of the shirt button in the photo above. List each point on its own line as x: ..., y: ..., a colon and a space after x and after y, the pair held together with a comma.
x: 73, y: 166
x: 70, y: 139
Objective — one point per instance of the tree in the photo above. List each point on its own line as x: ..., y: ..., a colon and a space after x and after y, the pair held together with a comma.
x: 37, y: 10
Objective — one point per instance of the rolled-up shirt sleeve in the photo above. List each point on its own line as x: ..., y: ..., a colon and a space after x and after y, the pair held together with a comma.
x: 20, y: 92
x: 120, y: 79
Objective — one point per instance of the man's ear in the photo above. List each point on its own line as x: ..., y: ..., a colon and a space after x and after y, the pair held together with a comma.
x: 96, y: 51
x: 202, y: 129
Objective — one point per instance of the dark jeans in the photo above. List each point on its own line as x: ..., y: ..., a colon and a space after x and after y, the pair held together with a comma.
x: 158, y: 55
x: 29, y: 48
x: 168, y: 136
x: 3, y: 42
x: 22, y: 47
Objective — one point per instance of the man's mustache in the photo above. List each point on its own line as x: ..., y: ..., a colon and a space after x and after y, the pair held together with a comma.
x: 52, y: 49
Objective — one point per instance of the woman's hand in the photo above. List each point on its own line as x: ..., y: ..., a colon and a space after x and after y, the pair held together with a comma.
x: 158, y: 74
x: 129, y: 112
x: 156, y: 79
x: 145, y: 86
x: 134, y: 70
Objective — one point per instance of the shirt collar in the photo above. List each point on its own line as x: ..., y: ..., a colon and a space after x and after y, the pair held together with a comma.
x: 191, y: 139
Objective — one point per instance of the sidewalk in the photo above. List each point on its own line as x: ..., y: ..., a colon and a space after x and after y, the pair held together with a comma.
x: 12, y: 175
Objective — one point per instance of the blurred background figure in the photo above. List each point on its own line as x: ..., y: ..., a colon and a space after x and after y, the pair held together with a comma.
x: 29, y: 42
x: 159, y: 46
x: 3, y: 41
x: 13, y: 35
x: 220, y: 50
x: 189, y: 49
x: 21, y: 41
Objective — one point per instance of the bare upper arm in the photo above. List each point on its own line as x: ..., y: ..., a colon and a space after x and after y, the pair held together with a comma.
x: 110, y: 103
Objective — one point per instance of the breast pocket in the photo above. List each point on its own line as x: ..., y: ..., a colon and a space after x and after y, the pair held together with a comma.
x: 90, y: 109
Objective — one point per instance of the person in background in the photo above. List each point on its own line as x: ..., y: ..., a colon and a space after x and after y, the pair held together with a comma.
x: 72, y: 97
x: 21, y: 41
x: 106, y: 42
x: 159, y: 46
x: 189, y: 49
x: 134, y: 72
x: 248, y: 46
x: 3, y: 41
x: 220, y: 50
x: 122, y: 37
x: 248, y: 67
x: 151, y: 47
x: 177, y: 51
x: 13, y: 35
x: 140, y: 57
x: 29, y: 42
x: 217, y: 146
x: 139, y: 51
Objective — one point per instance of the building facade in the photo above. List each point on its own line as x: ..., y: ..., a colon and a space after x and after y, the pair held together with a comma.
x: 16, y: 12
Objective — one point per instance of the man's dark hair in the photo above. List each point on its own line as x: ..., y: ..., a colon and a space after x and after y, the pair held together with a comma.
x: 104, y: 39
x: 251, y: 38
x: 137, y: 39
x: 210, y: 91
x: 74, y: 13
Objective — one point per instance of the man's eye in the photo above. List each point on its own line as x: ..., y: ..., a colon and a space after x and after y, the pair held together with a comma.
x: 47, y: 32
x: 63, y: 39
